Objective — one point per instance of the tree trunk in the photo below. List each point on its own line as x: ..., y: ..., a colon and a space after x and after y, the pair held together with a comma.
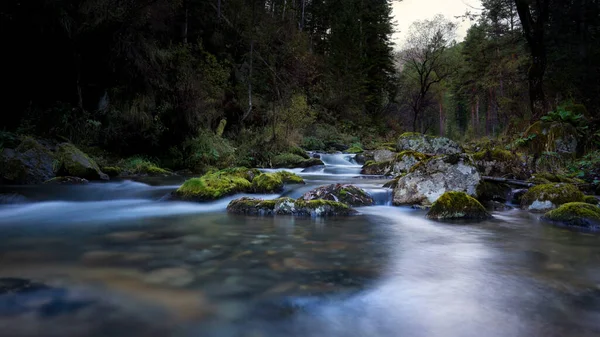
x: 442, y: 128
x: 185, y: 24
x: 249, y: 82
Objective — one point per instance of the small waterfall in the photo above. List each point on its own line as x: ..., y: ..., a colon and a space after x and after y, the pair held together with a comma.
x: 339, y: 159
x: 381, y: 196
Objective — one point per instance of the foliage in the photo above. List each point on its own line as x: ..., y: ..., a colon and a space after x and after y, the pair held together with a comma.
x: 139, y: 165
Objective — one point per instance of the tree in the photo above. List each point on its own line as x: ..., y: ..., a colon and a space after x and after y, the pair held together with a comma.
x: 426, y: 60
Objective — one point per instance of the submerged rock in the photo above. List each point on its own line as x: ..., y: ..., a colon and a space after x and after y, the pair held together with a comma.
x: 66, y: 181
x: 418, y: 142
x: 73, y: 162
x: 348, y: 194
x: 545, y: 197
x: 457, y: 205
x: 431, y: 178
x: 577, y: 214
x: 289, y: 206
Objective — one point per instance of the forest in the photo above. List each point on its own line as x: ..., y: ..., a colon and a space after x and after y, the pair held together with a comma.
x: 201, y: 84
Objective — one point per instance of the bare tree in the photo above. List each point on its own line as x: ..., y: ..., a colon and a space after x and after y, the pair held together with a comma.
x: 426, y: 60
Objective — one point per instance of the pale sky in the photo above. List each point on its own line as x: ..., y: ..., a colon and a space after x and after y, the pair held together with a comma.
x: 408, y: 11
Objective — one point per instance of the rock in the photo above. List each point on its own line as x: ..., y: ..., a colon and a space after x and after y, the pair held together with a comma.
x: 431, y: 178
x: 590, y: 199
x: 457, y: 205
x: 112, y: 171
x: 548, y: 196
x: 501, y: 163
x: 544, y: 136
x: 12, y: 198
x: 348, y: 194
x: 383, y: 155
x: 290, y: 160
x: 517, y: 195
x: 29, y: 163
x: 289, y: 177
x: 316, y: 155
x: 398, y: 164
x: 427, y: 144
x: 66, y: 181
x: 577, y: 214
x: 267, y: 183
x: 377, y: 168
x: 360, y: 159
x: 355, y: 150
x: 289, y: 206
x: 73, y: 162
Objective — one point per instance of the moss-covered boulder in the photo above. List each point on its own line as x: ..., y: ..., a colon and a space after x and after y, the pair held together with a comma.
x: 497, y: 162
x: 289, y: 206
x: 355, y: 150
x: 111, y: 171
x: 545, y: 197
x: 457, y: 205
x: 544, y: 136
x: 548, y: 178
x: 348, y: 194
x: 28, y: 163
x: 219, y: 184
x: 66, y: 181
x: 429, y: 179
x: 383, y: 168
x: 289, y: 177
x: 427, y: 144
x: 267, y: 183
x: 590, y: 199
x: 137, y: 166
x: 290, y: 160
x: 577, y: 214
x: 73, y: 162
x: 398, y: 163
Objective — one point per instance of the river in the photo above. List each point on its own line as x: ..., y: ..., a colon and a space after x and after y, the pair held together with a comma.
x: 111, y: 259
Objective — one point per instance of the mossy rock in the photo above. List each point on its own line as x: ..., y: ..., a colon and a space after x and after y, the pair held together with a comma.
x: 550, y: 137
x: 491, y: 191
x: 577, y: 214
x: 427, y: 144
x: 289, y: 206
x: 548, y: 196
x: 290, y: 160
x: 355, y: 150
x: 377, y: 168
x: 289, y: 177
x: 242, y: 172
x: 311, y: 162
x: 299, y: 152
x: 30, y: 163
x: 457, y: 205
x: 345, y: 193
x: 590, y: 199
x: 66, y: 181
x: 141, y: 166
x: 267, y: 183
x: 73, y: 162
x: 212, y: 186
x: 547, y: 178
x: 112, y: 171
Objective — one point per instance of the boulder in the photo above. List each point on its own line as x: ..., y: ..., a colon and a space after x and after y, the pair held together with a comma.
x: 418, y: 142
x: 73, y: 162
x: 383, y: 155
x: 348, y: 194
x: 543, y: 136
x: 501, y: 163
x: 431, y: 178
x: 219, y: 184
x: 545, y: 197
x: 398, y: 164
x: 66, y: 181
x: 457, y: 205
x: 577, y: 214
x: 289, y: 206
x: 29, y: 163
x: 290, y: 160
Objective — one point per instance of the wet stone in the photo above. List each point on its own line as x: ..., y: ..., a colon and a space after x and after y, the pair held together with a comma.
x: 175, y: 277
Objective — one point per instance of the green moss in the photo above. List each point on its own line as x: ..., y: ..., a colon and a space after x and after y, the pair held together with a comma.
x: 289, y: 177
x: 242, y: 172
x: 411, y: 134
x: 299, y: 152
x: 212, y: 186
x: 73, y: 162
x: 288, y: 160
x: 589, y: 199
x: 495, y: 154
x: 457, y: 205
x: 313, y: 204
x: 112, y: 171
x: 267, y: 183
x: 417, y: 155
x: 545, y: 178
x: 377, y: 168
x: 575, y: 214
x: 558, y: 194
x: 355, y: 149
x: 29, y: 143
x: 137, y: 165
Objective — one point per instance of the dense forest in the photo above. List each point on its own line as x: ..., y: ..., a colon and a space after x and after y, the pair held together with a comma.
x: 194, y: 84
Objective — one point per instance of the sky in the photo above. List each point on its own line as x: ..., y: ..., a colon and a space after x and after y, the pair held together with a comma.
x: 408, y: 11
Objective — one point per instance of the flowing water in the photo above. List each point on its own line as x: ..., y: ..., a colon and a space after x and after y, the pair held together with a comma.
x: 112, y: 259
